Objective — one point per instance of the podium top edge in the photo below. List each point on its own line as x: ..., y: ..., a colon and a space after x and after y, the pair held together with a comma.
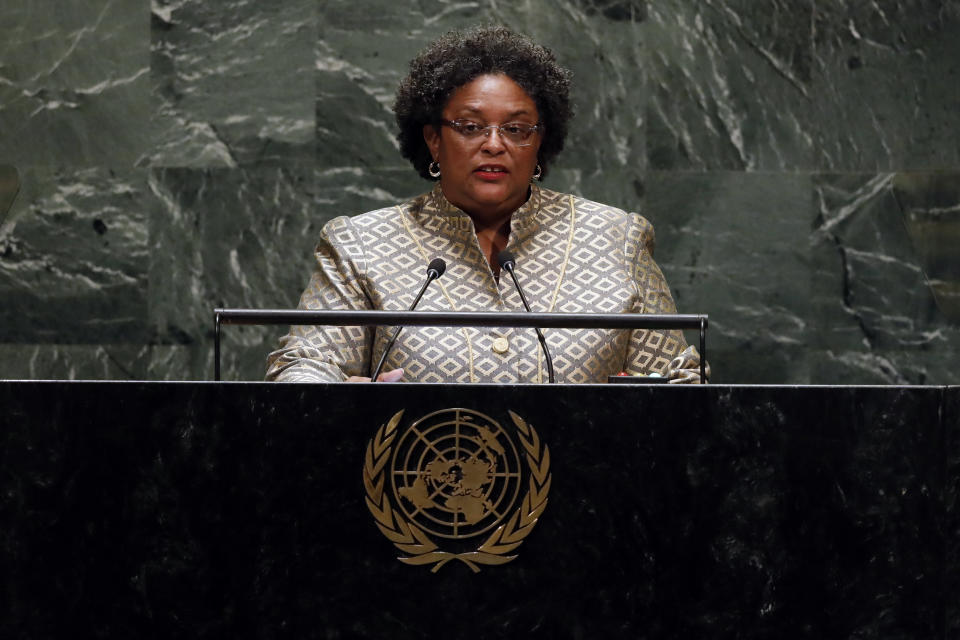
x: 461, y: 318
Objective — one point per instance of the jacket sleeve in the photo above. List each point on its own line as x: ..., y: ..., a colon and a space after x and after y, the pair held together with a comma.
x: 654, y: 351
x: 326, y: 353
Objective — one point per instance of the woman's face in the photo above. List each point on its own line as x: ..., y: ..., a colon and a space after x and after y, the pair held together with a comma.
x: 488, y: 176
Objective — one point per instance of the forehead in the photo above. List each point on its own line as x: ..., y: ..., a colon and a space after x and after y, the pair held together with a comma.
x: 490, y: 96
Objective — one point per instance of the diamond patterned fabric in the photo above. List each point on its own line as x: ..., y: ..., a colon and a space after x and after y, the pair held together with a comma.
x: 572, y: 256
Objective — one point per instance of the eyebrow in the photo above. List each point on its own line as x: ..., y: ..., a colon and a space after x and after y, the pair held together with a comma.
x: 512, y: 114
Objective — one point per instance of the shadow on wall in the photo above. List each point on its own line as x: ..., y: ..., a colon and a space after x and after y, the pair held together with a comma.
x: 930, y: 204
x: 9, y: 187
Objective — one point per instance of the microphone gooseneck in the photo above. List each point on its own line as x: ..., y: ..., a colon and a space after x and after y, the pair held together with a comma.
x: 507, y: 263
x: 434, y: 270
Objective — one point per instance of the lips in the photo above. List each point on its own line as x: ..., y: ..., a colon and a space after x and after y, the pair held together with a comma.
x: 491, y: 172
x: 491, y: 169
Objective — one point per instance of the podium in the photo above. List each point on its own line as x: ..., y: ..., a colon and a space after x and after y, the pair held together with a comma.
x: 240, y: 510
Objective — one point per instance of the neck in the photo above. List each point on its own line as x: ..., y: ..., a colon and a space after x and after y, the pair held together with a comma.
x: 492, y: 225
x: 493, y: 239
x: 488, y: 217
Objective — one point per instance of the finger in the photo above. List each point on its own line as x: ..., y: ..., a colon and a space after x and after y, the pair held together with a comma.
x: 358, y: 379
x: 391, y: 376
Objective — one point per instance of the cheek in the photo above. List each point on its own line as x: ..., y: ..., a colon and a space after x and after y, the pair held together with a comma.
x: 536, y: 151
x: 451, y: 153
x: 532, y: 158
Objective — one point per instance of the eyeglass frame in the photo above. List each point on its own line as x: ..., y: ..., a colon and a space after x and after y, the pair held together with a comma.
x: 485, y: 130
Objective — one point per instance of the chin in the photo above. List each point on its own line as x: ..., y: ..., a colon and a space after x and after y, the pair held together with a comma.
x: 490, y: 193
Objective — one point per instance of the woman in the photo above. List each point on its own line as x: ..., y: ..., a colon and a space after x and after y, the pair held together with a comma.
x: 484, y: 113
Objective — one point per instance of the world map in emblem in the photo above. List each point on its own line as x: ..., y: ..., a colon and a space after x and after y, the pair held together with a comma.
x: 455, y: 473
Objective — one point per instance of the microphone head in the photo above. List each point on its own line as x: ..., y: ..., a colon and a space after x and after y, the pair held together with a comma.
x: 506, y: 260
x: 437, y: 265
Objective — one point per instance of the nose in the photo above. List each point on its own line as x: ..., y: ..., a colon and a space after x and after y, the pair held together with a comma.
x: 493, y: 139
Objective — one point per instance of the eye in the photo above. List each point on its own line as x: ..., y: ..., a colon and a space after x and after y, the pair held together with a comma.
x: 515, y: 128
x: 468, y: 127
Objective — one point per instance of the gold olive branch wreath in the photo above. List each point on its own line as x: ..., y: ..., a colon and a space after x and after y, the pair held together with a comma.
x: 410, y: 539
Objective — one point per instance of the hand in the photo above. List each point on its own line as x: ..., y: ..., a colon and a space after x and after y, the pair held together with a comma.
x: 386, y: 376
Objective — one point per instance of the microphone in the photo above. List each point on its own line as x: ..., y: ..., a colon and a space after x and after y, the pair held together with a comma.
x: 434, y: 270
x: 507, y: 262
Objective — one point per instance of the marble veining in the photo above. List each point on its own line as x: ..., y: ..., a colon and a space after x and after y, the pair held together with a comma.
x: 882, y: 87
x: 74, y: 83
x: 233, y: 82
x: 797, y: 159
x: 730, y: 85
x: 227, y: 236
x: 875, y: 307
x: 73, y: 258
x: 715, y: 232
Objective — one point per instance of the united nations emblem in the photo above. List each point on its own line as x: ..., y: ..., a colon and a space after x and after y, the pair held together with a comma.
x: 455, y: 477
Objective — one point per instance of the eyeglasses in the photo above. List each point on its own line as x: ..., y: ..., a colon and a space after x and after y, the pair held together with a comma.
x: 516, y: 133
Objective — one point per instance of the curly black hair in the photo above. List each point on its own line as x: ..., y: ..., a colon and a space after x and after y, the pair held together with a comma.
x: 459, y: 57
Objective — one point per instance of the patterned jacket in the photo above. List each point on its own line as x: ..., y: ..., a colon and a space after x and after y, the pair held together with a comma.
x: 572, y: 255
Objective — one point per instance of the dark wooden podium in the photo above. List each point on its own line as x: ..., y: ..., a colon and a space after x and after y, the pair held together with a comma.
x: 239, y: 510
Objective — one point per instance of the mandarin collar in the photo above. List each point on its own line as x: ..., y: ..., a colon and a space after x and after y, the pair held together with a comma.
x: 525, y: 216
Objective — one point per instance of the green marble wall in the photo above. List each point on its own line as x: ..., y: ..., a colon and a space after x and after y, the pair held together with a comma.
x: 798, y: 158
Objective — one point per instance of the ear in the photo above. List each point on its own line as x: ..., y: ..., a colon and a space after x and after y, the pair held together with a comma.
x: 431, y: 135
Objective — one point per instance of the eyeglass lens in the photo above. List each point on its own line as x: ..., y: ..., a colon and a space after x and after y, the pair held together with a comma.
x: 515, y: 132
